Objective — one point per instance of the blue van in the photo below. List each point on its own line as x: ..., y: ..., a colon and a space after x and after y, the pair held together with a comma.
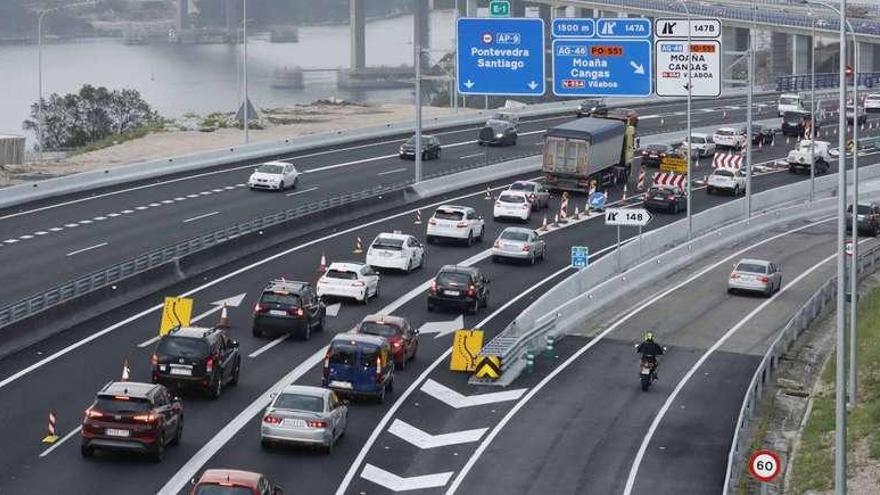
x: 359, y: 364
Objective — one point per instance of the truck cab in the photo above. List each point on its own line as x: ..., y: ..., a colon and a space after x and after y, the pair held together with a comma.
x: 799, y: 159
x: 789, y: 102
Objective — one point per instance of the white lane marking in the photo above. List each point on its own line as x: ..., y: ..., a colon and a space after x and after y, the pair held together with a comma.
x: 60, y: 442
x: 167, y: 201
x: 180, y: 198
x: 346, y: 164
x: 649, y: 117
x: 206, y: 215
x: 26, y: 237
x: 126, y: 212
x: 465, y: 157
x: 268, y: 346
x: 218, y: 190
x: 302, y: 192
x: 113, y: 215
x: 56, y: 229
x: 99, y: 219
x: 78, y: 251
x: 442, y: 328
x: 205, y: 193
x: 333, y: 310
x: 634, y: 469
x: 396, y: 170
x: 614, y: 326
x: 191, y: 196
x: 84, y: 222
x: 396, y: 483
x: 424, y: 440
x: 40, y: 232
x: 229, y: 188
x: 458, y: 401
x: 10, y: 241
x: 154, y: 205
x: 71, y: 225
x: 141, y: 208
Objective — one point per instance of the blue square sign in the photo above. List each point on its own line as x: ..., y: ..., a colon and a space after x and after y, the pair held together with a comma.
x: 500, y: 56
x: 602, y: 67
x: 580, y: 256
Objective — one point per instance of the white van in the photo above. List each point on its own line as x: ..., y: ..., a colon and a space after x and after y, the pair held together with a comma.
x: 872, y: 103
x: 790, y: 102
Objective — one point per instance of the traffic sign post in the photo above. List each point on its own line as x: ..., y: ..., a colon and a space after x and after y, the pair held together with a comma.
x: 580, y: 257
x: 628, y: 217
x: 500, y: 56
x: 600, y: 67
x: 764, y: 465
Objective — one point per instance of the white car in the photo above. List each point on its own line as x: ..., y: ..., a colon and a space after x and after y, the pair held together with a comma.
x: 872, y: 103
x: 274, y: 175
x: 702, y: 144
x: 789, y: 102
x: 512, y: 204
x: 356, y: 281
x: 728, y: 137
x: 396, y: 251
x: 729, y: 180
x: 456, y: 222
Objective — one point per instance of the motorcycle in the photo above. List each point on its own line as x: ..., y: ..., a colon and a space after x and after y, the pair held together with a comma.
x: 646, y: 371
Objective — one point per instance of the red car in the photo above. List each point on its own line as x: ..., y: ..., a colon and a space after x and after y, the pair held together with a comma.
x: 234, y: 482
x: 400, y: 334
x: 137, y: 417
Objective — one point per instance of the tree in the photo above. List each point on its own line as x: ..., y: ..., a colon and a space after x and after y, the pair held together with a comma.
x: 94, y: 113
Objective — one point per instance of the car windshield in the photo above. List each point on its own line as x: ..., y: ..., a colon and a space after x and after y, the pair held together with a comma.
x: 503, y: 116
x: 376, y: 328
x: 389, y: 243
x: 522, y: 186
x: 449, y: 215
x: 182, y: 347
x: 282, y: 299
x: 343, y: 353
x: 698, y: 139
x: 114, y: 405
x: 873, y: 98
x: 300, y: 402
x: 514, y: 235
x: 660, y: 190
x: 453, y: 278
x: 512, y: 198
x: 863, y: 209
x: 751, y: 268
x: 793, y: 116
x: 212, y: 489
x: 723, y: 173
x: 656, y: 147
x: 725, y: 132
x: 342, y: 274
x: 788, y: 100
x: 270, y: 169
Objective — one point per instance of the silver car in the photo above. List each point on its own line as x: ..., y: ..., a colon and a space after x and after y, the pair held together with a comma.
x: 520, y: 244
x: 538, y: 196
x: 304, y: 415
x: 754, y: 275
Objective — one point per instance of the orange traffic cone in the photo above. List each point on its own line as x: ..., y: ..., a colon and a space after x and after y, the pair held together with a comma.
x: 488, y: 194
x: 224, y: 318
x: 577, y: 213
x: 323, y: 267
x: 358, y: 246
x: 556, y: 220
x: 126, y: 371
x: 418, y: 220
x: 544, y: 225
x: 52, y: 437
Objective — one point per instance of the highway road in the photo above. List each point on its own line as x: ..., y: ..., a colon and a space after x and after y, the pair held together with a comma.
x: 82, y: 233
x: 63, y: 373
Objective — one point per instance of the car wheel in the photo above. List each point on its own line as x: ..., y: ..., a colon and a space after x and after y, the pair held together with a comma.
x: 323, y: 323
x: 532, y: 259
x: 366, y: 297
x: 329, y: 448
x: 376, y: 294
x: 409, y: 266
x: 235, y: 374
x: 281, y: 186
x: 544, y: 254
x: 381, y: 397
x: 431, y: 308
x: 513, y: 143
x: 708, y: 190
x: 736, y: 190
x: 86, y: 452
x: 179, y: 433
x: 217, y: 387
x: 470, y: 238
x: 430, y: 239
x: 257, y: 332
x: 401, y: 365
x: 437, y: 154
x: 672, y: 209
x: 159, y: 450
x: 476, y: 307
x: 495, y: 259
x: 265, y: 444
x: 485, y: 303
x: 307, y: 333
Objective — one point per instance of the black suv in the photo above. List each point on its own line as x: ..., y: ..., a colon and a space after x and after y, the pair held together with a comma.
x: 462, y: 286
x: 795, y: 124
x: 290, y: 307
x: 761, y: 136
x: 197, y: 357
x: 135, y: 417
x: 868, y: 220
x: 592, y: 108
x: 500, y: 132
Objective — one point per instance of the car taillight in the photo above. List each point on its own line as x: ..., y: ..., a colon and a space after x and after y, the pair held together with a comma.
x: 662, y: 155
x: 734, y: 275
x: 497, y: 244
x: 763, y: 279
x: 316, y: 424
x: 433, y: 288
x: 525, y: 247
x: 259, y: 308
x: 146, y: 418
x: 378, y: 369
x: 499, y: 203
x: 531, y: 197
x: 461, y: 225
x: 295, y: 311
x: 526, y: 206
x: 154, y: 359
x: 209, y: 364
x: 432, y: 222
x: 91, y: 413
x: 671, y: 196
x: 358, y: 283
x: 272, y: 420
x: 644, y: 153
x: 471, y: 291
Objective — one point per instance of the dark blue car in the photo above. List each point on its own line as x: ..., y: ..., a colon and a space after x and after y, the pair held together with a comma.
x: 359, y: 365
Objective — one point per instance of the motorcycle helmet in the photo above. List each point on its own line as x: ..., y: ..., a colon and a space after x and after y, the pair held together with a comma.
x: 649, y: 336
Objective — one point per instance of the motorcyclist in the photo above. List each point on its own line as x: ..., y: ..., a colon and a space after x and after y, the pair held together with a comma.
x: 649, y: 349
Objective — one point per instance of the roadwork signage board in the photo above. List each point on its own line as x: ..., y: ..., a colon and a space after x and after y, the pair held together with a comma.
x: 488, y: 367
x: 466, y: 345
x: 627, y: 217
x: 673, y: 164
x: 674, y: 59
x: 500, y: 56
x: 176, y: 313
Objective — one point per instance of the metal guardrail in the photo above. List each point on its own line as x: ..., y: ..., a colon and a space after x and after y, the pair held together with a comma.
x: 512, y: 349
x: 763, y: 377
x: 801, y: 82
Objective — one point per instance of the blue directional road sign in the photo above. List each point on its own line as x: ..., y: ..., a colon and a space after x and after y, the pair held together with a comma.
x: 570, y: 27
x: 597, y: 200
x: 500, y: 56
x: 580, y: 256
x: 599, y: 67
x: 623, y: 28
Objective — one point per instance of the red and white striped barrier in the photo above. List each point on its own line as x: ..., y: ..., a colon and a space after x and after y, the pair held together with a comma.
x: 669, y: 179
x: 641, y: 184
x: 52, y: 436
x: 727, y: 160
x: 563, y: 208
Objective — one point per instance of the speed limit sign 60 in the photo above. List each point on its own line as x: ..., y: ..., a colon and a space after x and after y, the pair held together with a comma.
x: 764, y: 465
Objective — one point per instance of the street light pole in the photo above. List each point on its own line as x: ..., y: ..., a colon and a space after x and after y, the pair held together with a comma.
x: 418, y: 141
x: 245, y: 75
x: 854, y: 259
x: 749, y: 104
x: 813, y: 111
x: 41, y: 114
x: 688, y: 180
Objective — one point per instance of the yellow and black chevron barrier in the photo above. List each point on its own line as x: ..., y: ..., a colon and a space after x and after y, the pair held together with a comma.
x: 488, y: 367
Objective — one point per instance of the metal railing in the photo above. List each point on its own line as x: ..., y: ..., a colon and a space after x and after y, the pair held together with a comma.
x: 801, y: 82
x: 512, y: 349
x: 763, y: 377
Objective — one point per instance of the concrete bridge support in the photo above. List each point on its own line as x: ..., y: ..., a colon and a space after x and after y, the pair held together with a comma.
x: 869, y: 57
x: 780, y: 55
x: 801, y: 53
x: 735, y: 42
x: 421, y: 29
x: 357, y: 25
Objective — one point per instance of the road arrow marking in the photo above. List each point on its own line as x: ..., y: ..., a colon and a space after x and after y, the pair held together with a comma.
x: 454, y: 399
x: 639, y: 68
x: 442, y: 328
x: 469, y: 84
x: 397, y: 484
x: 533, y: 85
x: 230, y: 302
x: 333, y: 309
x: 425, y: 440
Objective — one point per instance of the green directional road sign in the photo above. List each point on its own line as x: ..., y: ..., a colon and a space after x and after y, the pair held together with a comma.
x: 499, y: 8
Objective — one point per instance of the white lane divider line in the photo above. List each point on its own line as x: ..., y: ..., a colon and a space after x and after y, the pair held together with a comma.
x: 126, y: 212
x: 396, y: 170
x: 154, y: 205
x: 396, y: 483
x: 10, y: 241
x: 302, y: 192
x: 141, y: 208
x: 40, y: 232
x: 26, y: 237
x: 218, y: 190
x: 206, y: 215
x: 268, y: 346
x: 56, y: 229
x: 96, y: 246
x: 474, y: 155
x: 424, y: 440
x: 458, y: 401
x: 99, y: 219
x: 60, y: 442
x: 84, y: 222
x: 229, y: 188
x: 167, y: 201
x: 180, y: 198
x: 346, y: 164
x: 113, y: 215
x: 206, y: 193
x: 71, y: 225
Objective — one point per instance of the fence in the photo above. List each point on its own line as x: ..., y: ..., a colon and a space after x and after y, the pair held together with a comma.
x: 802, y: 82
x: 763, y: 377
